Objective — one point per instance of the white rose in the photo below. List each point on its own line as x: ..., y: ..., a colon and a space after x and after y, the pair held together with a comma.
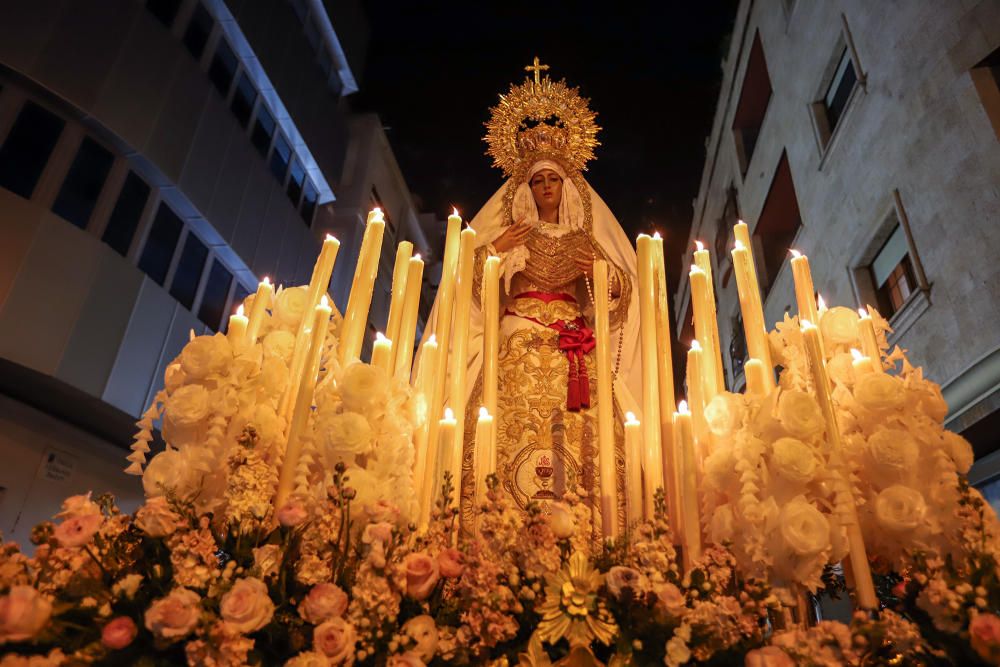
x: 79, y: 505
x: 959, y: 450
x: 804, y: 529
x: 280, y: 344
x: 900, y: 508
x: 336, y: 639
x: 561, y: 520
x: 247, y: 606
x: 422, y: 630
x: 362, y: 386
x: 156, y: 518
x: 724, y: 414
x: 894, y: 452
x: 206, y: 355
x: 175, y: 615
x: 839, y: 326
x: 879, y: 392
x: 188, y: 406
x: 840, y: 368
x: 167, y: 470
x: 800, y: 415
x: 289, y: 304
x: 345, y: 434
x: 794, y: 460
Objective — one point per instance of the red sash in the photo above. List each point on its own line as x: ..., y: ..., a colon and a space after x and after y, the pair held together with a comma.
x: 576, y: 340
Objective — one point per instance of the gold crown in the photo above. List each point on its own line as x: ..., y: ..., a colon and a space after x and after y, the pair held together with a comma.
x: 541, y: 116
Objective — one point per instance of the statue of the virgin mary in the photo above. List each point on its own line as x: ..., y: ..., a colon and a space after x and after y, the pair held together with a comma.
x: 548, y: 226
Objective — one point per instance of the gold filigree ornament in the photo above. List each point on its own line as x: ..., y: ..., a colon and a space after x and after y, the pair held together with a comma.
x: 572, y: 609
x: 541, y: 117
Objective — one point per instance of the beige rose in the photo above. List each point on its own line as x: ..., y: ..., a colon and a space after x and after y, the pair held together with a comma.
x: 362, y: 386
x: 323, y: 602
x: 156, y: 518
x: 78, y: 531
x: 724, y: 413
x: 168, y: 470
x: 308, y: 659
x: 175, y: 615
x: 344, y: 435
x: 619, y: 578
x: 279, y: 344
x: 421, y: 575
x: 794, y: 460
x: 900, y: 508
x: 984, y: 635
x: 561, y: 520
x: 879, y: 392
x: 335, y: 639
x: 206, y: 355
x: 959, y: 450
x: 768, y: 656
x: 423, y: 632
x: 894, y: 453
x: 670, y: 600
x: 407, y: 659
x: 804, y: 529
x: 289, y: 305
x: 839, y: 326
x: 119, y: 633
x: 24, y: 612
x: 451, y: 563
x: 267, y: 559
x: 247, y: 607
x: 799, y: 414
x: 80, y: 505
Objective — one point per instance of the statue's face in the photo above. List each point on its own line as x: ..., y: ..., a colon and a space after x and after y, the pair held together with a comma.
x: 546, y: 187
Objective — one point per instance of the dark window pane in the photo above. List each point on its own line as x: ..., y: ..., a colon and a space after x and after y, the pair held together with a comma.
x: 160, y: 245
x: 27, y: 149
x: 297, y: 175
x: 244, y: 99
x: 239, y: 294
x: 279, y: 158
x: 198, y: 30
x: 309, y: 202
x: 164, y: 10
x: 840, y: 89
x: 125, y: 217
x: 223, y: 68
x: 213, y: 302
x: 263, y: 130
x: 189, y: 268
x: 83, y: 183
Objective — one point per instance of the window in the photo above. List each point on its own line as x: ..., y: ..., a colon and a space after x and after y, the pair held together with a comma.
x: 243, y: 100
x: 189, y: 268
x: 840, y: 89
x: 125, y: 217
x: 836, y: 90
x: 754, y: 98
x: 892, y: 274
x: 778, y: 223
x: 295, y: 177
x: 309, y: 203
x: 263, y: 130
x: 223, y: 68
x: 26, y: 151
x: 198, y: 30
x: 279, y: 158
x: 83, y: 183
x: 213, y: 302
x: 160, y: 245
x: 986, y: 77
x: 164, y: 10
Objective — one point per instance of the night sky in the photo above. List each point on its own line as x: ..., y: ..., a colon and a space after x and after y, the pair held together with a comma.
x: 651, y: 70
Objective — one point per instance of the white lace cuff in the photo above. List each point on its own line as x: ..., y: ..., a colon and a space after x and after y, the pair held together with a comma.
x: 512, y: 262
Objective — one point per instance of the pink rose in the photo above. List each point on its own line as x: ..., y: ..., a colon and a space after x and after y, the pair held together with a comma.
x: 670, y: 600
x: 383, y: 511
x: 451, y: 563
x: 78, y: 530
x: 175, y: 615
x: 247, y: 607
x: 80, y: 505
x: 324, y: 601
x: 421, y: 575
x: 335, y: 639
x: 119, y: 633
x: 768, y: 656
x: 408, y: 659
x: 23, y: 613
x: 984, y: 635
x: 292, y: 513
x: 619, y: 578
x: 156, y: 518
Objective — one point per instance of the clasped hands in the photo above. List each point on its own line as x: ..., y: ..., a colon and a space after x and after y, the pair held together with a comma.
x: 514, y: 236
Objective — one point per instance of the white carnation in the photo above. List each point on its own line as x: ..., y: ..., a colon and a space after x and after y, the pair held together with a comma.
x: 206, y: 355
x: 794, y: 460
x: 344, y: 435
x: 804, y: 529
x: 362, y: 386
x: 900, y: 508
x: 188, y: 406
x: 800, y: 415
x: 290, y: 304
x: 839, y: 326
x: 879, y: 392
x: 893, y: 452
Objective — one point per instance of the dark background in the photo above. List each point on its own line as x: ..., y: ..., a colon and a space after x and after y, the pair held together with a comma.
x: 651, y: 70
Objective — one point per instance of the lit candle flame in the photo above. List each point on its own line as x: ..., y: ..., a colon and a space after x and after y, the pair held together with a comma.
x: 820, y: 304
x: 630, y: 418
x: 863, y: 313
x: 682, y: 408
x: 239, y: 310
x: 377, y: 209
x: 417, y: 257
x: 454, y: 211
x: 656, y: 236
x: 695, y: 345
x: 379, y: 337
x: 483, y: 412
x: 266, y: 281
x: 857, y: 354
x: 323, y: 301
x: 432, y: 339
x: 700, y: 245
x: 331, y: 237
x: 448, y: 414
x: 739, y: 245
x: 795, y: 253
x: 806, y: 324
x: 739, y: 221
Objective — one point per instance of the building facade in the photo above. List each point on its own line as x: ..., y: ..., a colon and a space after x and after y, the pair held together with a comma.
x: 157, y: 159
x: 867, y: 136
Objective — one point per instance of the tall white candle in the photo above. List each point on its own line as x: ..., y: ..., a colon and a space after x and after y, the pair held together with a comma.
x: 443, y: 457
x: 652, y: 461
x: 460, y: 342
x: 408, y: 323
x: 258, y: 311
x: 424, y: 383
x: 714, y: 377
x: 605, y: 406
x: 484, y: 445
x: 665, y: 369
x: 754, y: 327
x: 869, y: 341
x: 382, y: 353
x: 352, y: 331
x: 490, y: 301
x: 400, y: 272
x: 633, y: 468
x: 237, y: 331
x: 691, y: 539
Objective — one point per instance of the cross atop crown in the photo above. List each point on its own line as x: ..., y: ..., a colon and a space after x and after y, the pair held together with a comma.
x: 537, y: 68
